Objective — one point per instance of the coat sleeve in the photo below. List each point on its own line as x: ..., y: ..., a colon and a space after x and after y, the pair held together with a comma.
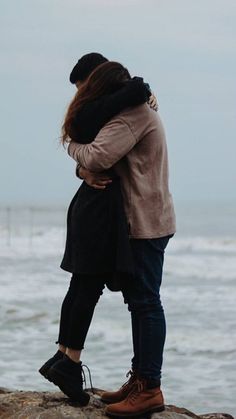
x: 100, y: 111
x: 112, y: 143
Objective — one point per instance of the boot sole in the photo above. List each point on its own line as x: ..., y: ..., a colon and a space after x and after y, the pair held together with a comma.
x: 58, y: 380
x: 137, y: 415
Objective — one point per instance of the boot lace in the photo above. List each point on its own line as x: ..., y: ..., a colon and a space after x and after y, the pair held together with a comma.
x: 131, y: 374
x: 84, y: 377
x: 137, y: 388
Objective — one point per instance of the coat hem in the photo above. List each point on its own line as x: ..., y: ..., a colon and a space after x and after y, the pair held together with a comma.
x: 152, y: 236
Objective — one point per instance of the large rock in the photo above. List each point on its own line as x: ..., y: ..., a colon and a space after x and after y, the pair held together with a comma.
x: 48, y: 405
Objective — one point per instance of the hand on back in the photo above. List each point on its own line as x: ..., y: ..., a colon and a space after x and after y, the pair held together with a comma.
x: 94, y: 179
x: 153, y: 102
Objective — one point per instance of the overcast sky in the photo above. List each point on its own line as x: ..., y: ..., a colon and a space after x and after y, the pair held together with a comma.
x: 185, y: 49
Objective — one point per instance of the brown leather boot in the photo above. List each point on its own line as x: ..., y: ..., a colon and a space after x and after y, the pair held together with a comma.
x: 140, y: 400
x: 122, y: 393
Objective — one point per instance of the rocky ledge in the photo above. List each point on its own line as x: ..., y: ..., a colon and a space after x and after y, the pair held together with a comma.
x: 49, y: 405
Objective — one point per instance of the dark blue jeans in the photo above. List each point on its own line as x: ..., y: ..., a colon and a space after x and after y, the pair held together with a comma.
x: 147, y: 315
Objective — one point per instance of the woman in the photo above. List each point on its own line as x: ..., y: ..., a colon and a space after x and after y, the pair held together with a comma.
x: 107, y: 241
x: 97, y: 246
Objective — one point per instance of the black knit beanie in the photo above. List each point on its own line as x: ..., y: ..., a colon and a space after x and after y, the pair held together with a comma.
x: 85, y: 66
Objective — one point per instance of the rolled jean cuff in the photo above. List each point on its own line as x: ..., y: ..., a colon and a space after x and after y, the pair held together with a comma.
x: 152, y: 382
x: 70, y: 347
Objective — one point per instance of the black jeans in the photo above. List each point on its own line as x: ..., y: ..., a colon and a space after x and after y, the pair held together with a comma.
x: 77, y: 309
x: 142, y: 294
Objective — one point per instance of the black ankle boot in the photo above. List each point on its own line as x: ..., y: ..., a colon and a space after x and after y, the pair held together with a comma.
x: 45, y: 367
x: 67, y: 375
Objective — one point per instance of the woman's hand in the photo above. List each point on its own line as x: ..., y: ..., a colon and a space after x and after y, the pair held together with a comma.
x: 94, y: 179
x: 153, y: 102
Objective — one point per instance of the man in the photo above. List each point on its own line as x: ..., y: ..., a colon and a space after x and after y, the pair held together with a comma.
x: 134, y: 144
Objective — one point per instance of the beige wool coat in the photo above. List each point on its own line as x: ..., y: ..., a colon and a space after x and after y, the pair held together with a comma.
x: 134, y: 144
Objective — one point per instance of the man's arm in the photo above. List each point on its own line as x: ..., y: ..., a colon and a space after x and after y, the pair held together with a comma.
x: 112, y: 143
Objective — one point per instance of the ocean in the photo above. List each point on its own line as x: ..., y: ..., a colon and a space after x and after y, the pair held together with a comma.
x: 198, y: 294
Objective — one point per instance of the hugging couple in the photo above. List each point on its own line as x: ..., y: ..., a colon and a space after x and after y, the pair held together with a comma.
x: 118, y: 226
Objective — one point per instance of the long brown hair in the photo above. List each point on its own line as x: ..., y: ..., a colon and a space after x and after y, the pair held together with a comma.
x: 105, y: 79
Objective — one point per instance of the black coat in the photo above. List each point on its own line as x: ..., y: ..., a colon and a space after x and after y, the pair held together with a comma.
x: 97, y: 232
